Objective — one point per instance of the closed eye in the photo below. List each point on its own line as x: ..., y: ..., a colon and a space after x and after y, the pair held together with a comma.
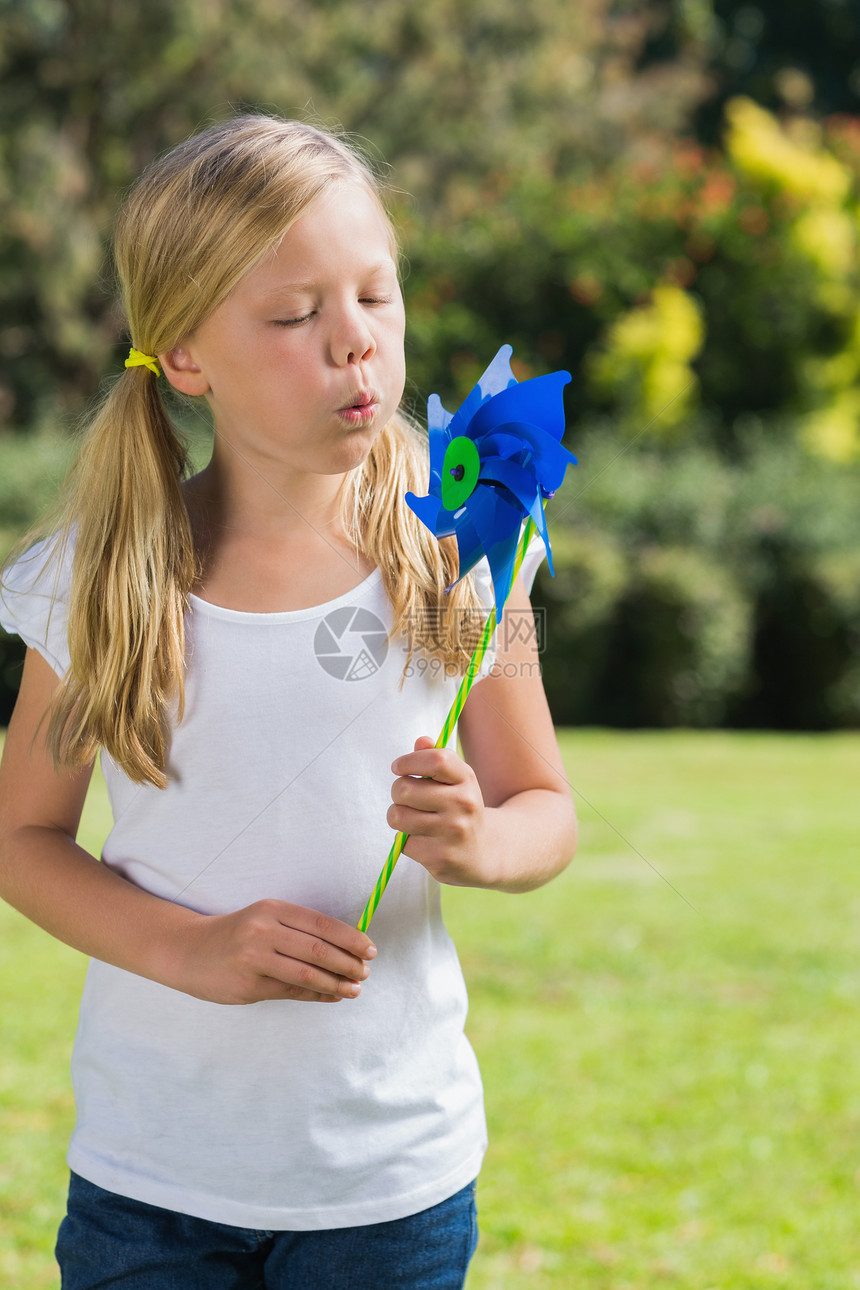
x: 364, y: 300
x: 294, y: 322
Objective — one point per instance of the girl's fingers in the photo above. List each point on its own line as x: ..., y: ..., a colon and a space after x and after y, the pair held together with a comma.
x: 306, y: 977
x: 308, y: 960
x: 453, y: 829
x: 320, y: 956
x: 434, y: 796
x: 423, y: 824
x: 269, y: 988
x: 438, y: 764
x: 320, y: 966
x: 419, y: 794
x: 323, y: 929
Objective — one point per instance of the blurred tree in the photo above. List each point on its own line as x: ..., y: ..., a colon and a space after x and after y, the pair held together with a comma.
x: 550, y: 194
x: 450, y: 93
x: 781, y: 53
x: 702, y: 292
x: 93, y: 89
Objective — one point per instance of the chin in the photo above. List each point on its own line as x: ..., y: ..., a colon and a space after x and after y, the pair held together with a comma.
x: 354, y: 451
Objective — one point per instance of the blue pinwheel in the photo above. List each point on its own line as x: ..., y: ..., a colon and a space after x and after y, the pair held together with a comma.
x: 493, y: 463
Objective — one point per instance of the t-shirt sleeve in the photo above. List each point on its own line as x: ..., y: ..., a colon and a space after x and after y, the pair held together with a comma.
x: 535, y: 552
x: 34, y: 600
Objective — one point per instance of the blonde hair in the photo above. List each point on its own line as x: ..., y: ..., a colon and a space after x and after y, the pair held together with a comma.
x: 192, y: 226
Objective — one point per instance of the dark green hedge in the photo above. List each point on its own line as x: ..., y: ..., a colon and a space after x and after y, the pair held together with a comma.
x: 694, y: 592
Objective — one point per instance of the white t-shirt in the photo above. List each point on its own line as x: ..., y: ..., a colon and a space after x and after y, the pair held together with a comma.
x: 277, y: 1115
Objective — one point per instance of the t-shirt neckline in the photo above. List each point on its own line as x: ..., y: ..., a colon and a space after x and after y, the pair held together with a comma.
x: 355, y: 594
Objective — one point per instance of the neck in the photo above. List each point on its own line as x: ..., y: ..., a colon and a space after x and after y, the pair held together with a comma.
x: 236, y: 494
x: 267, y: 542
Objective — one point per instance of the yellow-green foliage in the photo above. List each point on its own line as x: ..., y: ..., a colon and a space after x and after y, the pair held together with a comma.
x: 647, y: 354
x: 827, y: 236
x: 745, y: 285
x: 792, y: 163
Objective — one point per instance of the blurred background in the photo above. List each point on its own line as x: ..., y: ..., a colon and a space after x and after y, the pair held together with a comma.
x: 662, y: 198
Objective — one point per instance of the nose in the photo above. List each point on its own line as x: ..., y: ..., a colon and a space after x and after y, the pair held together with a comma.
x: 352, y: 338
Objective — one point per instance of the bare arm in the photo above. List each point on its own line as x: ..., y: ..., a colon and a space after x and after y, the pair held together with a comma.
x: 503, y: 818
x: 271, y: 950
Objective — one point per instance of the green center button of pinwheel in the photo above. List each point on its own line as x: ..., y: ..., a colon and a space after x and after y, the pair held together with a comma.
x: 460, y: 471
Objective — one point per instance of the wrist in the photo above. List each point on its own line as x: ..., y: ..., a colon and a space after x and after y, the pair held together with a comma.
x: 173, y: 953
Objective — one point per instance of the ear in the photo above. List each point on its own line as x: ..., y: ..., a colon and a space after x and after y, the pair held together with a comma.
x: 182, y: 371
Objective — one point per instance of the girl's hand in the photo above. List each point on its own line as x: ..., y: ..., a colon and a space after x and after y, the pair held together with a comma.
x: 443, y: 814
x: 273, y: 950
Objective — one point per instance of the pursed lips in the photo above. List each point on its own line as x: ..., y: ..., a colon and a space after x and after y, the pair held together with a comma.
x: 361, y: 409
x: 363, y: 399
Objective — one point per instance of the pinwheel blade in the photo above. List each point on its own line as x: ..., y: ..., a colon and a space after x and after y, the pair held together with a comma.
x: 497, y: 375
x: 536, y: 402
x: 519, y: 481
x: 437, y: 417
x: 548, y: 459
x: 493, y: 531
x: 497, y: 378
x: 428, y: 510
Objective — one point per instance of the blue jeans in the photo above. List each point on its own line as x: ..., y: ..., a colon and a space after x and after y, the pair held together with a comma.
x: 109, y: 1242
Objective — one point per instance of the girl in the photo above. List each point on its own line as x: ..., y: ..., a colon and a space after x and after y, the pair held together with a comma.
x: 242, y: 646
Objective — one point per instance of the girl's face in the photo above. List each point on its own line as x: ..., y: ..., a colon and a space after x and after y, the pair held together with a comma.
x: 303, y: 363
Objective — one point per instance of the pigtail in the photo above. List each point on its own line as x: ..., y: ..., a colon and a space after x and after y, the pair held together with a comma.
x: 416, y: 567
x: 133, y: 569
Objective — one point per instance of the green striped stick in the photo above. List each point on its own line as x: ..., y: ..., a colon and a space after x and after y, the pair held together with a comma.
x: 450, y: 722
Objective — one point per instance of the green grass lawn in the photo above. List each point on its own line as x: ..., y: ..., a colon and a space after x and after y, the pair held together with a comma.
x: 668, y: 1032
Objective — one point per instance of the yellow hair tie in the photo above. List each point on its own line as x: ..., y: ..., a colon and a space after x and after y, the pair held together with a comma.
x: 136, y: 359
